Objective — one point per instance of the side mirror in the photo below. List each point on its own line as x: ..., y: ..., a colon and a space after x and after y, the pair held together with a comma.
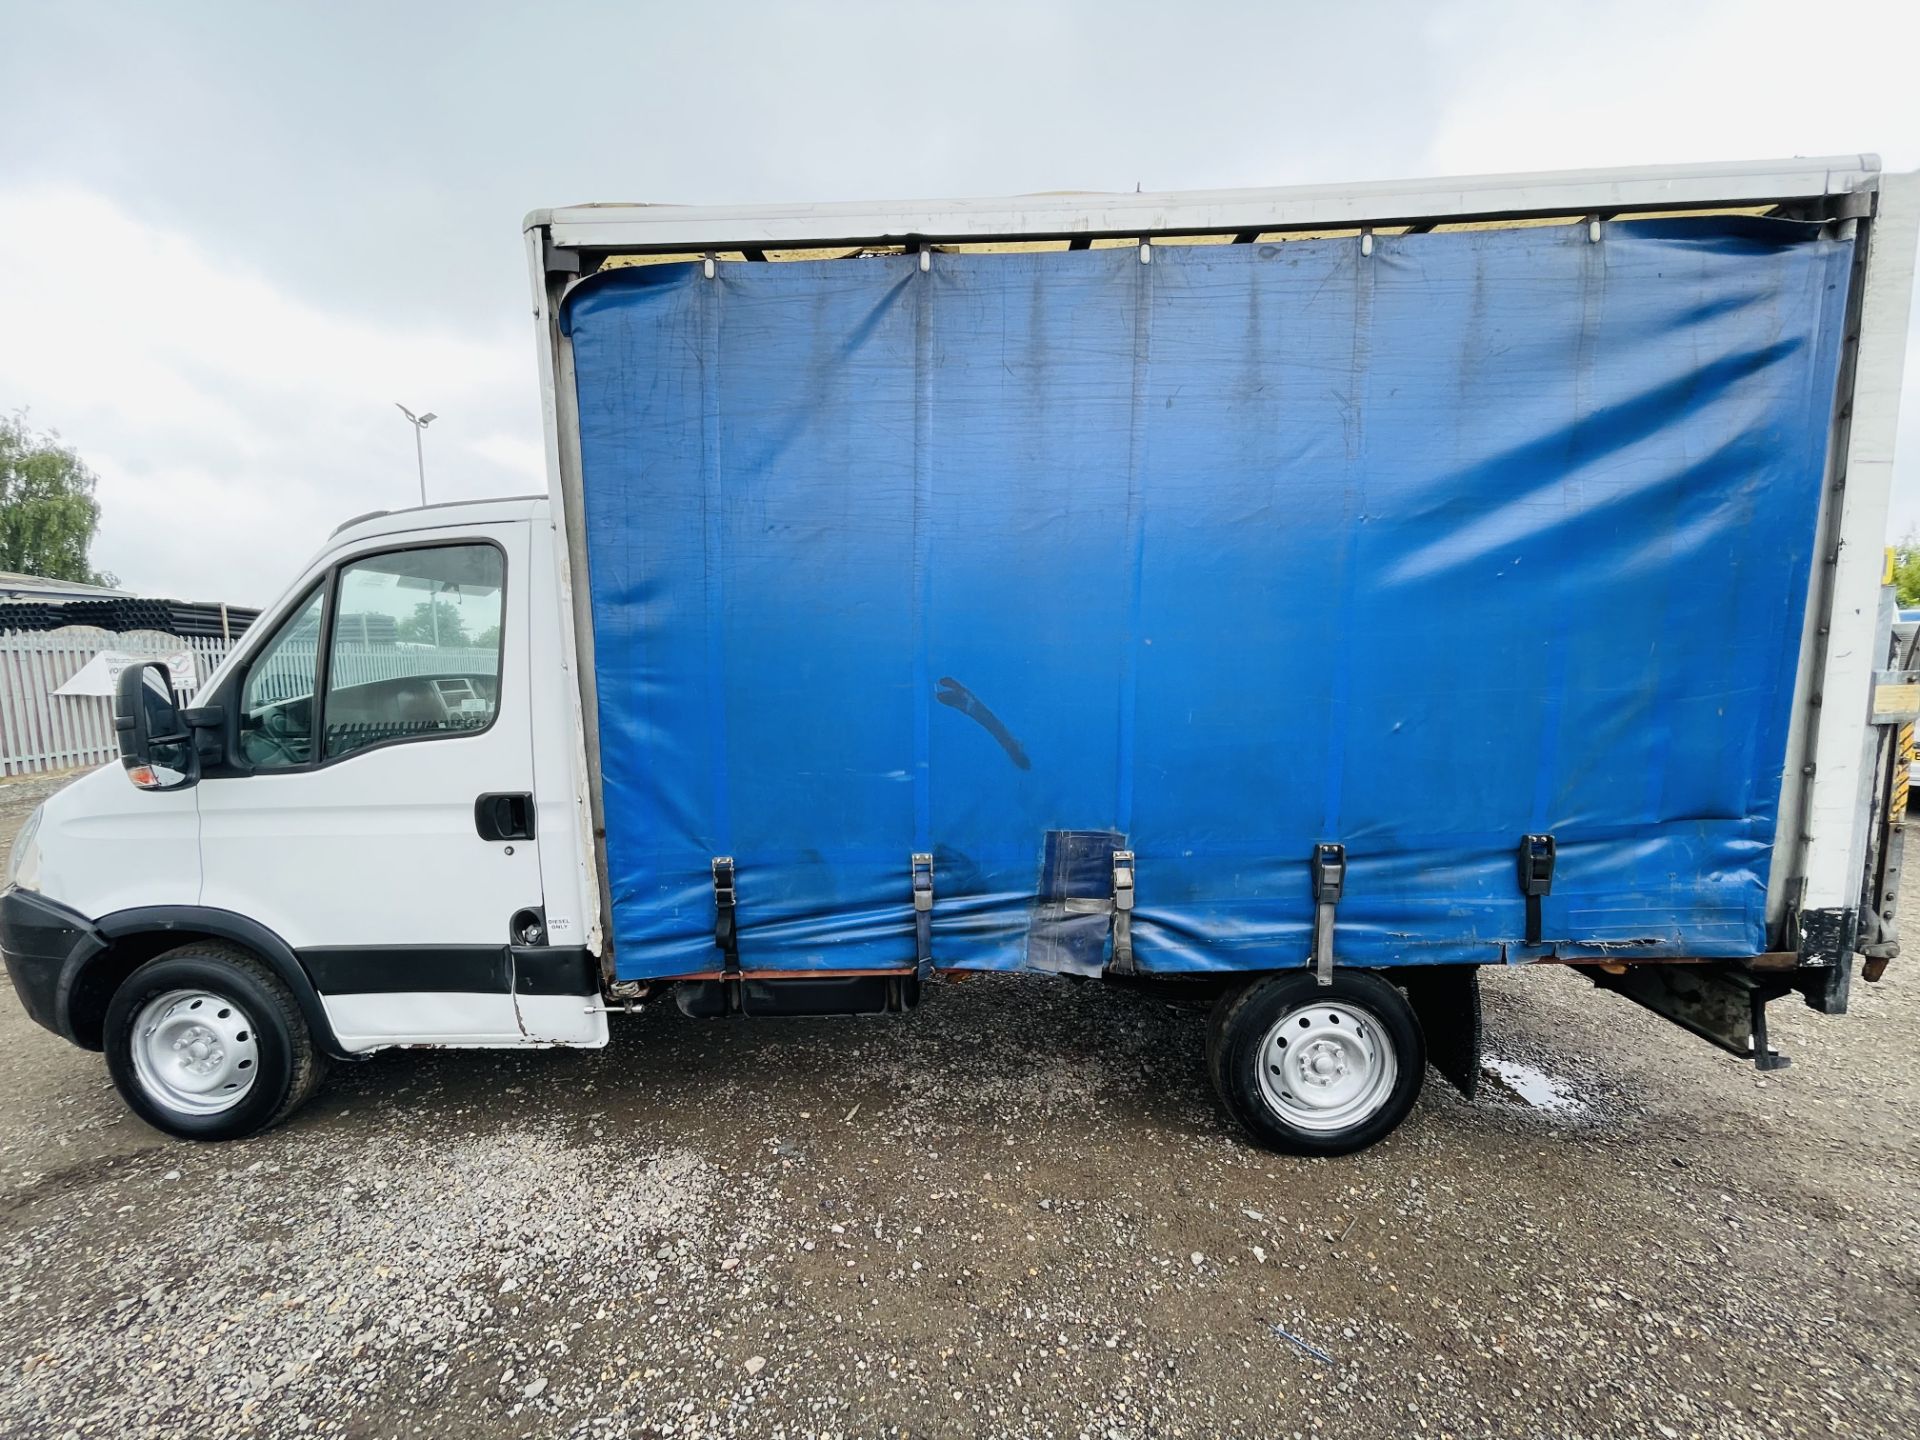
x: 155, y: 744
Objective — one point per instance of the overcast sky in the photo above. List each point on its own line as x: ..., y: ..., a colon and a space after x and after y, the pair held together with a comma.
x: 231, y: 236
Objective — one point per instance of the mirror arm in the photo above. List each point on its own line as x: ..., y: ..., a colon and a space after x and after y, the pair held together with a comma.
x: 208, y: 725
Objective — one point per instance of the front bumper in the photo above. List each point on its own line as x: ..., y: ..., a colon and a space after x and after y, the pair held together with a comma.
x: 44, y: 945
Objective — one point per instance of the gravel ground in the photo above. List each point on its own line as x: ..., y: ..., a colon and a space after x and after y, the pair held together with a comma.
x: 1015, y: 1212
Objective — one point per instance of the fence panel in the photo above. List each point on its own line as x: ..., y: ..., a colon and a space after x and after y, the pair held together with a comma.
x: 42, y: 731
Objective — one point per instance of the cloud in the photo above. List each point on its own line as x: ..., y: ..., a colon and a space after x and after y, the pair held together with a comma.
x: 522, y: 455
x: 1650, y: 82
x: 232, y: 426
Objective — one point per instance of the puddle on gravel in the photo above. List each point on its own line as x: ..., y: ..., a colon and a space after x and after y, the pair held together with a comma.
x: 1536, y: 1087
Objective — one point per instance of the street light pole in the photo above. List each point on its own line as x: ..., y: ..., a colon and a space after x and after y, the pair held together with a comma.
x: 419, y: 423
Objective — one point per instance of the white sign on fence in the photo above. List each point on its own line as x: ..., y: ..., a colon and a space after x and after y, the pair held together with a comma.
x: 101, y: 674
x: 51, y: 718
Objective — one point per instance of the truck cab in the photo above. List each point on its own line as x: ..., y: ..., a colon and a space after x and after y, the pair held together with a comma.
x: 378, y: 840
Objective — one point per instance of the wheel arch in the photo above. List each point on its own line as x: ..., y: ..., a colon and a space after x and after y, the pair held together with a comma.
x: 133, y: 937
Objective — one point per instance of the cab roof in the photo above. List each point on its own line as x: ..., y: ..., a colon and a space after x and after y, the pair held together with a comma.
x: 440, y: 515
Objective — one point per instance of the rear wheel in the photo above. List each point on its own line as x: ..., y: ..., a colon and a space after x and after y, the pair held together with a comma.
x: 1315, y: 1069
x: 207, y: 1043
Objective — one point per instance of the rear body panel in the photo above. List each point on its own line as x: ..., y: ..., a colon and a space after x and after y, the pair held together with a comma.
x: 1417, y: 546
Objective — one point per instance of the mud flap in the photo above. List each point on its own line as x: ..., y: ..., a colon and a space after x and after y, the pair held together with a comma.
x: 1447, y: 1000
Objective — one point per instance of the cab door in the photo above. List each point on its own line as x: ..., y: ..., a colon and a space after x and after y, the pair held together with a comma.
x: 377, y: 812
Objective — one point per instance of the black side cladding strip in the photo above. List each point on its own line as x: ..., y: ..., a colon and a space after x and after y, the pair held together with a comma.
x: 457, y: 969
x: 955, y: 696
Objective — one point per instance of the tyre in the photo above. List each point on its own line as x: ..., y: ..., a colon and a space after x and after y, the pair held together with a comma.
x: 1313, y: 1069
x: 207, y: 1043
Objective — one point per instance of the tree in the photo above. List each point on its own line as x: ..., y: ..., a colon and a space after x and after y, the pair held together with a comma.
x: 421, y: 629
x: 1906, y: 570
x: 48, y: 515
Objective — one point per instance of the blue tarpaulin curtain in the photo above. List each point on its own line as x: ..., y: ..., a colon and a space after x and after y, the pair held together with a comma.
x: 1251, y: 547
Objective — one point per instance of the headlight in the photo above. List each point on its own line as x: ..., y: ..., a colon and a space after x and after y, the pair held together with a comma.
x: 23, y: 865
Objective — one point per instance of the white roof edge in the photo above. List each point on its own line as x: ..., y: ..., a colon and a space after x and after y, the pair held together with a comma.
x: 1379, y: 201
x: 440, y: 515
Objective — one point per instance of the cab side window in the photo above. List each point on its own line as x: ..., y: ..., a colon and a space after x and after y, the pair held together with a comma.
x: 415, y: 649
x: 277, y: 701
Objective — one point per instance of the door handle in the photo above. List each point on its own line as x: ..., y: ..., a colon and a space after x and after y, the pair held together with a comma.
x: 504, y: 816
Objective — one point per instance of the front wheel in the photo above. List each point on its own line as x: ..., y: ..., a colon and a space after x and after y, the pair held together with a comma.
x: 1315, y: 1069
x: 207, y: 1043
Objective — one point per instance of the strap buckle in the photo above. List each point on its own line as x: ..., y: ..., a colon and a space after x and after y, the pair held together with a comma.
x: 726, y: 933
x: 1536, y: 878
x: 920, y: 872
x: 1123, y: 913
x: 1329, y: 880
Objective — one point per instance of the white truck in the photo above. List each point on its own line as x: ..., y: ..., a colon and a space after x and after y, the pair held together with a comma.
x: 1067, y: 585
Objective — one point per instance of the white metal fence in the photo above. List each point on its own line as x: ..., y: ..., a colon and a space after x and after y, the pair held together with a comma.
x: 40, y: 730
x: 289, y: 670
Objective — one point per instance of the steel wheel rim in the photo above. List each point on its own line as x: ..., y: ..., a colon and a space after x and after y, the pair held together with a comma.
x: 1327, y: 1066
x: 195, y: 1051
